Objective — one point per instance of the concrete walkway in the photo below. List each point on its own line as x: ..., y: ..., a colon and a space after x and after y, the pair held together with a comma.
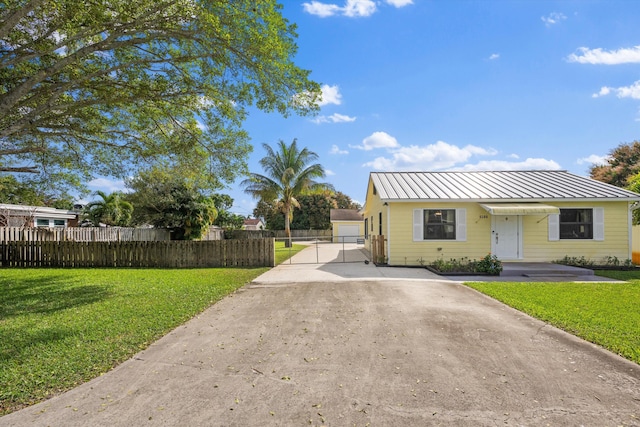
x: 314, y: 346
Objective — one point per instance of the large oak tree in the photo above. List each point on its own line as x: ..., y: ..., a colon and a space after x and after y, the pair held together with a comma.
x: 99, y: 87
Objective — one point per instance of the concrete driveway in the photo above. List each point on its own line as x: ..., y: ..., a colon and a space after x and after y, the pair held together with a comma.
x: 360, y: 346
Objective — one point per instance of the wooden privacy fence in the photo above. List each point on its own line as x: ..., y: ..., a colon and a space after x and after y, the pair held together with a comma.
x: 170, y: 254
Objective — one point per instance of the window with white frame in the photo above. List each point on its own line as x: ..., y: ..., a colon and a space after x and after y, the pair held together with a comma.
x: 439, y: 224
x: 577, y: 223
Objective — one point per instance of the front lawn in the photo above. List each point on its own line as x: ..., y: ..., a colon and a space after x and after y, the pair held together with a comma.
x: 606, y: 314
x: 62, y: 327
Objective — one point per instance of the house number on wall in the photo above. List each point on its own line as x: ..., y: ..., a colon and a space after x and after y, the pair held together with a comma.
x: 484, y: 216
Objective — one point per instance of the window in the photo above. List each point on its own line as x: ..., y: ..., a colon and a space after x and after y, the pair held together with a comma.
x: 380, y: 223
x: 366, y: 228
x: 439, y: 224
x: 576, y: 223
x: 42, y: 222
x: 59, y: 222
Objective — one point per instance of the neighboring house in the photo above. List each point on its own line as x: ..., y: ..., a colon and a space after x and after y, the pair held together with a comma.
x: 531, y: 216
x: 347, y: 224
x: 36, y: 216
x: 253, y: 224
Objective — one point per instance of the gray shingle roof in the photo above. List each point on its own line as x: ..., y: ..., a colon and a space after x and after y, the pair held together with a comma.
x: 495, y: 186
x: 345, y: 215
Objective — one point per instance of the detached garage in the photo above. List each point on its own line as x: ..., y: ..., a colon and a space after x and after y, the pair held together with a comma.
x: 347, y: 224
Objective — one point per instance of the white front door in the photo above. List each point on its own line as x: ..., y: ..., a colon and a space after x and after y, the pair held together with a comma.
x: 505, y: 236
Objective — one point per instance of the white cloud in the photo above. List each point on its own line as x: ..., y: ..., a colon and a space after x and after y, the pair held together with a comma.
x: 494, y: 56
x: 440, y: 155
x: 604, y: 91
x: 553, y: 18
x: 513, y: 156
x: 334, y: 118
x: 357, y: 8
x: 632, y: 91
x: 106, y: 185
x: 322, y: 10
x: 377, y: 140
x: 528, y: 164
x: 351, y: 8
x: 330, y: 95
x: 599, y: 56
x: 336, y: 150
x: 329, y: 172
x: 399, y: 3
x: 593, y: 159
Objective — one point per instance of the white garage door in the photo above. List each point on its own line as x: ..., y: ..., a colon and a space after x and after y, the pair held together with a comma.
x: 348, y: 233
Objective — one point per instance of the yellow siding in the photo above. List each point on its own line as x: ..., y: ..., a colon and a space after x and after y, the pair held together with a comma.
x: 404, y: 251
x: 537, y: 246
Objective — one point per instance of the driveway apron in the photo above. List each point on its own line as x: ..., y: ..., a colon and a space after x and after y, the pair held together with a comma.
x: 356, y: 345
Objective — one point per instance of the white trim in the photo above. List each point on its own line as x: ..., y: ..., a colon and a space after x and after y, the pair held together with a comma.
x: 461, y: 225
x: 388, y: 245
x: 598, y: 224
x: 554, y: 227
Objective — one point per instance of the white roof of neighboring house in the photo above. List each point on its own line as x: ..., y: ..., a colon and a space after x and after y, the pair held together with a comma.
x: 547, y: 185
x: 38, y: 211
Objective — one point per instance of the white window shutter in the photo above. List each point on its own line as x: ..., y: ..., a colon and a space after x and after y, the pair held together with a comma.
x: 598, y: 223
x: 554, y: 227
x: 418, y: 223
x: 461, y: 225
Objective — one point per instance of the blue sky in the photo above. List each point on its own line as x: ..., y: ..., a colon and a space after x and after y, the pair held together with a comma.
x: 458, y: 85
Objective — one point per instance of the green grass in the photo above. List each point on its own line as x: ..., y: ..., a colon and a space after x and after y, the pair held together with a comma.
x: 283, y: 254
x: 606, y: 314
x: 60, y: 328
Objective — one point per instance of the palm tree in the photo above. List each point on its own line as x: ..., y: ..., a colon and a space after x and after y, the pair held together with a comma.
x: 288, y: 174
x: 111, y: 210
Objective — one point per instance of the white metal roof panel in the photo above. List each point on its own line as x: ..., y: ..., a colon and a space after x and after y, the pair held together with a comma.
x: 495, y: 186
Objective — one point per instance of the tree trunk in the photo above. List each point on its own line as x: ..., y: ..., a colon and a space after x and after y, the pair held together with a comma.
x: 287, y: 227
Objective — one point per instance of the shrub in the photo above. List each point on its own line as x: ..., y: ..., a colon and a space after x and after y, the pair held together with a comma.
x: 489, y: 264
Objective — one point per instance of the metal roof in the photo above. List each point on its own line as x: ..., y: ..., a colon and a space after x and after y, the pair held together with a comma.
x: 543, y: 185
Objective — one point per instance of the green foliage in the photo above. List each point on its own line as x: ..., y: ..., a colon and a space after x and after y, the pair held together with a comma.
x: 490, y: 264
x: 32, y: 193
x: 112, y: 210
x: 623, y: 164
x: 313, y: 211
x: 104, y: 87
x: 168, y: 200
x: 61, y: 328
x: 608, y: 261
x: 603, y: 313
x: 290, y: 173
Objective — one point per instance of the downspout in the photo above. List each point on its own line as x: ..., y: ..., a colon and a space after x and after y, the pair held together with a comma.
x: 632, y: 206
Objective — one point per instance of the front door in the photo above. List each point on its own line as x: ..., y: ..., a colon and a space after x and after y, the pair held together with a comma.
x: 505, y: 236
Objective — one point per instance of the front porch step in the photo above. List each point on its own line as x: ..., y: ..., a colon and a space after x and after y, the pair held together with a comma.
x: 543, y: 270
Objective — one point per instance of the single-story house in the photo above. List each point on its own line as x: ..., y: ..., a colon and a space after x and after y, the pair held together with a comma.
x: 253, y: 224
x: 36, y: 216
x: 529, y: 216
x: 347, y: 225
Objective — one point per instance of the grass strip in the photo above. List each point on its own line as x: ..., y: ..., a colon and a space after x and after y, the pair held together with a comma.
x: 606, y: 314
x: 62, y: 327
